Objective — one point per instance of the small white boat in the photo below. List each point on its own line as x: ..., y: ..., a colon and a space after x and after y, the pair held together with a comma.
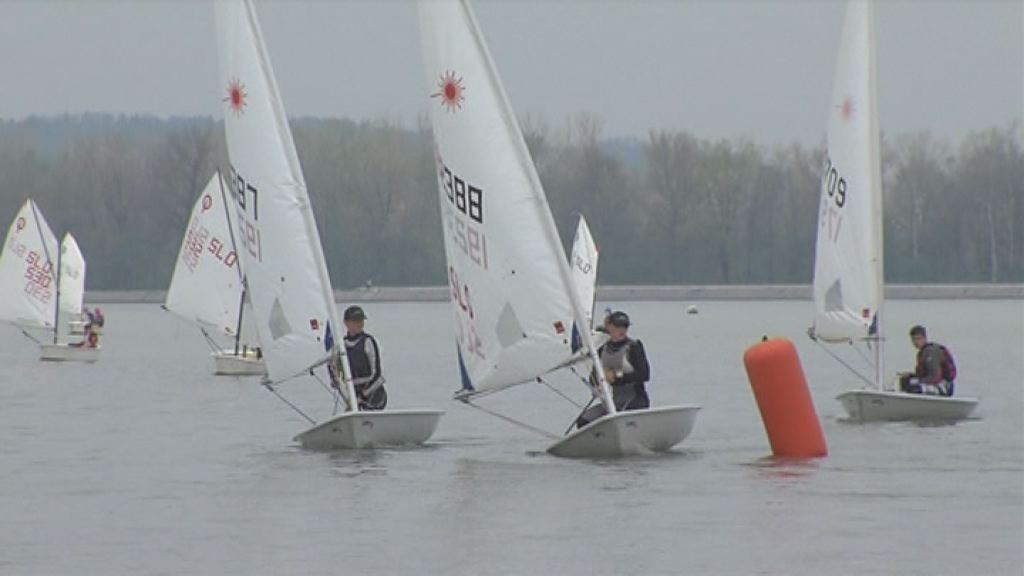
x: 692, y: 309
x: 876, y: 405
x: 630, y: 433
x: 227, y: 363
x: 31, y: 294
x: 68, y: 353
x: 292, y: 302
x: 364, y: 429
x: 208, y: 286
x: 521, y: 308
x: 849, y: 284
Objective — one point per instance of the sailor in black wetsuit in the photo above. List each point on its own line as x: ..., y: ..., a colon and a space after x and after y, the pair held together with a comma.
x: 364, y: 360
x: 626, y: 370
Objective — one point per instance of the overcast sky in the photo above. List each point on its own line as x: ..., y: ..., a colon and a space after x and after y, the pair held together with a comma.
x: 760, y: 69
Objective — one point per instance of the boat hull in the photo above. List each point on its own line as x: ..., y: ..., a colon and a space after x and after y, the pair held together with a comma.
x: 359, y: 430
x: 66, y: 353
x: 229, y: 364
x: 629, y: 433
x: 876, y: 405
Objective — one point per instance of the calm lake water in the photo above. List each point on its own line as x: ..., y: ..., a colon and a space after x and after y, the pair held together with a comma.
x: 145, y: 463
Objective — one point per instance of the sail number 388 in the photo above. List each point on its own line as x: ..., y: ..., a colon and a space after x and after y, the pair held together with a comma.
x: 466, y: 198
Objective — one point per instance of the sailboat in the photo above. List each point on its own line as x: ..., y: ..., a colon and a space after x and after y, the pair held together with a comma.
x: 849, y: 290
x: 30, y: 291
x: 208, y: 287
x: 289, y: 287
x: 511, y: 287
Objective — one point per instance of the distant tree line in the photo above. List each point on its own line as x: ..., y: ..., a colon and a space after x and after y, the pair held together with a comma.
x: 668, y: 209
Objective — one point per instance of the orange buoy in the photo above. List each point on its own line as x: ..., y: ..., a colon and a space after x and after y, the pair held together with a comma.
x: 787, y: 409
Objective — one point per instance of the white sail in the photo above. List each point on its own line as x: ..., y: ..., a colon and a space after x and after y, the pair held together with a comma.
x: 293, y: 307
x: 583, y: 261
x: 511, y: 299
x: 206, y: 287
x: 28, y: 290
x: 72, y: 276
x: 848, y: 270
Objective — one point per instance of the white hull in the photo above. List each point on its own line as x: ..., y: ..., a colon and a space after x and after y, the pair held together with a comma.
x: 875, y: 405
x: 228, y: 364
x: 77, y: 327
x: 355, y: 430
x: 630, y: 433
x: 66, y: 353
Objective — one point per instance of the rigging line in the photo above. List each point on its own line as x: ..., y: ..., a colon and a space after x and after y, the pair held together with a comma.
x: 559, y: 392
x: 586, y: 381
x: 862, y: 355
x: 270, y: 386
x: 332, y: 391
x: 31, y: 337
x: 511, y: 420
x: 210, y: 341
x: 844, y: 363
x: 577, y: 418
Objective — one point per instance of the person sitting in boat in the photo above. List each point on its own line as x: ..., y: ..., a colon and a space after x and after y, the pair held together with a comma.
x: 933, y: 374
x: 89, y: 318
x: 90, y: 340
x: 626, y: 370
x: 98, y: 318
x: 364, y: 361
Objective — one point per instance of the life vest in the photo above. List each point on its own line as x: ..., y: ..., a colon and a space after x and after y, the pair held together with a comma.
x: 948, y: 364
x: 359, y: 360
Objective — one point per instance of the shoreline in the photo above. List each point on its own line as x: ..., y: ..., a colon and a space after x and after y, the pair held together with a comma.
x: 667, y: 293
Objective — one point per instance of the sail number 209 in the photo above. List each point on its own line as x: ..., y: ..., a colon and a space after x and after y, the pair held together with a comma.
x: 835, y: 184
x: 466, y: 198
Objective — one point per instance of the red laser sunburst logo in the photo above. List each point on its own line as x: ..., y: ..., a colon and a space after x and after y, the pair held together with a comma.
x: 451, y: 91
x: 846, y: 109
x: 236, y: 97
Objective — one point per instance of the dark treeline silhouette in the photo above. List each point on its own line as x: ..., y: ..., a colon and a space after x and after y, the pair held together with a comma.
x: 668, y: 209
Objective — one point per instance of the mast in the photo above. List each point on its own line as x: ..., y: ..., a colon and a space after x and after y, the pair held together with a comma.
x: 874, y: 156
x: 238, y: 262
x: 238, y: 329
x: 56, y: 308
x: 544, y: 211
x: 56, y: 276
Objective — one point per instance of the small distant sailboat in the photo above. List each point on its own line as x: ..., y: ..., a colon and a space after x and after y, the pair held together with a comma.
x: 513, y: 293
x: 289, y: 287
x: 31, y: 294
x: 849, y: 290
x: 208, y: 287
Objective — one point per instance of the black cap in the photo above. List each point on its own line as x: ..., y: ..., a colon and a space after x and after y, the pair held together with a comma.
x: 354, y: 313
x: 619, y: 318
